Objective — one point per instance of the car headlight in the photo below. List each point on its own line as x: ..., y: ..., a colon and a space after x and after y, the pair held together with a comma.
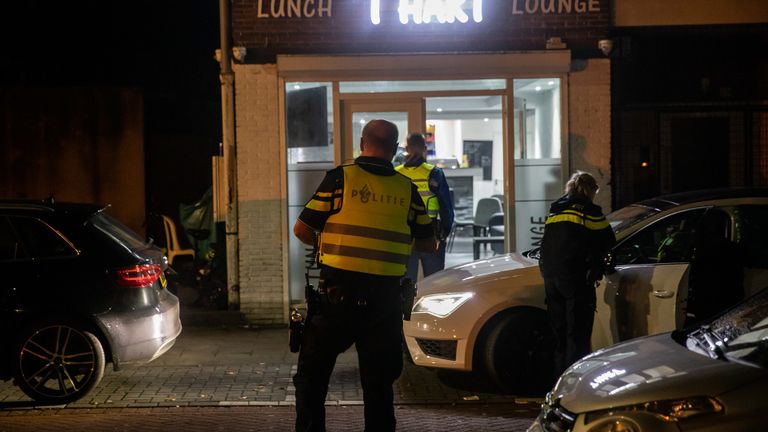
x: 667, y: 410
x: 441, y: 305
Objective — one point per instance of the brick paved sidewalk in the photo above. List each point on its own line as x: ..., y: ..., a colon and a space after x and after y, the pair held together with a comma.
x: 240, y: 366
x: 410, y: 418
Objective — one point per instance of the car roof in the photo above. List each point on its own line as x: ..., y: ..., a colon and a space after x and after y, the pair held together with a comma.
x: 680, y: 198
x: 51, y: 206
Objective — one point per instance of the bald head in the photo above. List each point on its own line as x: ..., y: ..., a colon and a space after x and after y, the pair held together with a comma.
x: 379, y: 139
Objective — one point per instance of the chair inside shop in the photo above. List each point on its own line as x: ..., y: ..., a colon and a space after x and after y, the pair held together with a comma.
x: 486, y: 207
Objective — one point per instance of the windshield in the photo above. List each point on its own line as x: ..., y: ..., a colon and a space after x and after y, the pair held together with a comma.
x: 741, y: 334
x: 625, y: 217
x: 115, y: 229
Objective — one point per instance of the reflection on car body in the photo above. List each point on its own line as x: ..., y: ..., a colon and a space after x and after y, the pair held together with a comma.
x: 711, y: 376
x: 674, y: 256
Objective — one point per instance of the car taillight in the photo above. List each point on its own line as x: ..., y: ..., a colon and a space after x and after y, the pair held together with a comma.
x: 139, y: 276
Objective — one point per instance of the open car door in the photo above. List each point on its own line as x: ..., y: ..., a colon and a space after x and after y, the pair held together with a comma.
x: 647, y: 292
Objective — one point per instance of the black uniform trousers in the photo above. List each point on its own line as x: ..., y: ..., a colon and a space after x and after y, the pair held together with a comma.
x: 363, y: 310
x: 571, y: 305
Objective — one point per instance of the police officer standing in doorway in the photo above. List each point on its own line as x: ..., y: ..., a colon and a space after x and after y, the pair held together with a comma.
x: 433, y: 188
x: 577, y: 237
x: 364, y: 218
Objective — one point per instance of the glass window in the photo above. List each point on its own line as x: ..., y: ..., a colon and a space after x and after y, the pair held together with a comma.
x: 465, y: 137
x: 115, y: 229
x: 309, y: 122
x: 538, y: 176
x: 310, y: 153
x: 411, y: 86
x: 360, y: 119
x: 10, y: 249
x: 668, y: 240
x: 537, y: 118
x: 40, y: 240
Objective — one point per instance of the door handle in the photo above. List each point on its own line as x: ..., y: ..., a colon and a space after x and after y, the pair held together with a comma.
x: 663, y: 294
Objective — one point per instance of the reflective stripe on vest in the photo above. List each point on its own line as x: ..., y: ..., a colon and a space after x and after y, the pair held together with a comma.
x: 419, y: 175
x: 590, y: 222
x: 370, y: 234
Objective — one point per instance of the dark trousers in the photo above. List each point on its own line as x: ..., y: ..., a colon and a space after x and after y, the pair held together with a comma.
x: 430, y: 262
x: 365, y: 312
x: 571, y: 309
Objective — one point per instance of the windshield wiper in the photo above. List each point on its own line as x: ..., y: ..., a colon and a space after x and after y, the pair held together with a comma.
x: 744, y: 345
x: 708, y: 340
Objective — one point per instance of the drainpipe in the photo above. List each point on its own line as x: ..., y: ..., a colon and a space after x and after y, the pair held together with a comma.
x: 227, y: 78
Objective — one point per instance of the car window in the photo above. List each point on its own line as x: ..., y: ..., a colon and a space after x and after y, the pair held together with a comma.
x: 666, y: 240
x: 752, y: 234
x: 10, y: 249
x: 115, y: 229
x: 628, y: 216
x: 40, y: 240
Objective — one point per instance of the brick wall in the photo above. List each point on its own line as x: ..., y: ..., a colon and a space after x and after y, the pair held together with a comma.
x: 589, y: 118
x: 261, y: 197
x: 77, y: 144
x: 506, y: 26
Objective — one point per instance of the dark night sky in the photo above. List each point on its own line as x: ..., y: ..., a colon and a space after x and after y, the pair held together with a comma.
x: 163, y: 47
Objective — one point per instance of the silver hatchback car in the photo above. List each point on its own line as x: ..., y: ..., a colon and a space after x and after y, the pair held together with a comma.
x: 708, y: 377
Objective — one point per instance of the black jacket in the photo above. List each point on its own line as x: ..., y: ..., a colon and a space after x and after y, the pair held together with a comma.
x: 576, y: 239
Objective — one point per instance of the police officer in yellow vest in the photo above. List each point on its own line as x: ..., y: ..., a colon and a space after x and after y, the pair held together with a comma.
x: 364, y: 218
x: 433, y: 188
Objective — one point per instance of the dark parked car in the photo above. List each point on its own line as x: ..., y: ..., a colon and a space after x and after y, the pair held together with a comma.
x: 79, y: 289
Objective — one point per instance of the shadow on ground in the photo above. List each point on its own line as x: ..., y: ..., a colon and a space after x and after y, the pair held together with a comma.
x: 478, y: 382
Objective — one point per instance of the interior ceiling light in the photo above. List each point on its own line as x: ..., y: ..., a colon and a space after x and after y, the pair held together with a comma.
x: 362, y: 121
x: 439, y: 110
x: 551, y: 83
x: 485, y: 119
x: 538, y: 88
x: 296, y: 87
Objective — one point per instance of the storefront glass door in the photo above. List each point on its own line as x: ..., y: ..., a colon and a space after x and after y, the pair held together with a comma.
x: 405, y: 114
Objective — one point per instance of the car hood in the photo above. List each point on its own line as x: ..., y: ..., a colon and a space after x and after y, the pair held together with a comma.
x: 646, y: 369
x: 476, y: 275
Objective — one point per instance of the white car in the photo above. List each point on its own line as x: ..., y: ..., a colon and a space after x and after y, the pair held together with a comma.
x: 709, y: 377
x: 490, y: 314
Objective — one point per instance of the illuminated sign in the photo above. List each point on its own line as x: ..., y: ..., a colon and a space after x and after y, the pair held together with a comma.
x: 428, y: 11
x: 294, y: 8
x: 530, y: 7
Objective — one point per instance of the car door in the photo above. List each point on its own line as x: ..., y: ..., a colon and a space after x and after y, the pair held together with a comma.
x: 752, y: 238
x: 647, y: 292
x: 16, y: 269
x: 49, y: 271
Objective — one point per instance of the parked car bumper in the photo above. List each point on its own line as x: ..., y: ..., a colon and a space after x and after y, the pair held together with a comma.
x: 434, y: 342
x: 142, y: 335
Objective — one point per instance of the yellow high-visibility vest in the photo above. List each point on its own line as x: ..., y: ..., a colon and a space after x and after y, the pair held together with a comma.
x: 419, y: 175
x: 370, y: 234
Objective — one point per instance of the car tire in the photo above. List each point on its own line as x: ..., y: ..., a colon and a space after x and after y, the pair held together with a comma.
x: 59, y: 364
x: 518, y: 352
